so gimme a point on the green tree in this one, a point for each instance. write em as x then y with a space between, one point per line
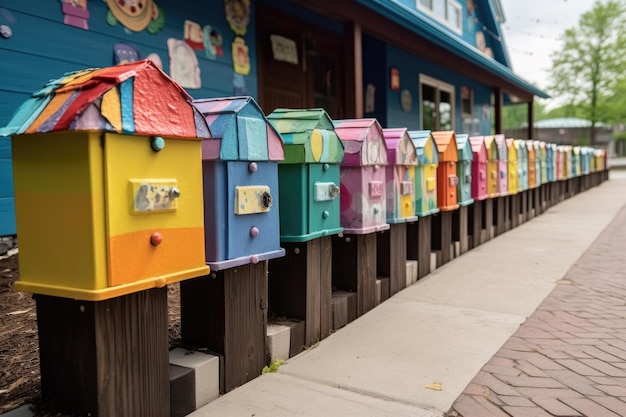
587 69
516 115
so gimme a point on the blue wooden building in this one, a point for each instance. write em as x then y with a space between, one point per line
406 63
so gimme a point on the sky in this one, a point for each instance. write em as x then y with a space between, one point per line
532 31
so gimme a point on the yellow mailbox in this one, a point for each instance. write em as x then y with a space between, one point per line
108 184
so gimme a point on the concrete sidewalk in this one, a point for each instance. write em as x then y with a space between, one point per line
441 331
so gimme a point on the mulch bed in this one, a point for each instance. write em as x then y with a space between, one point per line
19 343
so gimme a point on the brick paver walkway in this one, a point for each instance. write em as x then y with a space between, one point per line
569 357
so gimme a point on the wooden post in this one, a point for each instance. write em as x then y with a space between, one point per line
515 210
476 223
460 227
441 238
354 268
499 219
226 312
419 244
523 209
300 286
105 358
487 222
391 256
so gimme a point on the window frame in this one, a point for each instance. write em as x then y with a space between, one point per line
444 20
439 86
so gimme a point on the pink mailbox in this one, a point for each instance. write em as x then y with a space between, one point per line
503 161
479 168
400 173
362 188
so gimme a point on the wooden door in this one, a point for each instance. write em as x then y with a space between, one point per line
310 76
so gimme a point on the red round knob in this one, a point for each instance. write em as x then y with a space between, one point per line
156 239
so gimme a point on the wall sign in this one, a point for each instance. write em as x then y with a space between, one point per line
406 100
284 49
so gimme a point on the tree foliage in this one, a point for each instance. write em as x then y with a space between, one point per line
589 68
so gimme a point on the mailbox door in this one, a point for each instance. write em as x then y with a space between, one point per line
482 180
405 176
430 180
492 177
324 199
374 203
502 177
253 222
141 203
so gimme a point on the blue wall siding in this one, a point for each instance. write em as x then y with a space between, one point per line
376 73
43 47
410 67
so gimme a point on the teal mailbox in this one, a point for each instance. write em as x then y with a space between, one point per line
464 170
308 178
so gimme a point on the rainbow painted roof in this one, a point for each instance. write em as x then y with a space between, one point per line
400 147
135 99
242 129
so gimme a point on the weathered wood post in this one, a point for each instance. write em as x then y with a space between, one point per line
501 203
300 284
522 167
513 183
363 210
226 311
107 217
460 217
400 190
419 233
479 189
447 182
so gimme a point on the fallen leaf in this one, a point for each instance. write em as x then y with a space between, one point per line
14 313
437 386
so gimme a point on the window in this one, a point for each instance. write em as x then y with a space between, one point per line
447 12
437 101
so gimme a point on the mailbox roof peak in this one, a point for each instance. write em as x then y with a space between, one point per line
425 147
136 98
309 136
243 131
400 147
363 141
464 147
446 143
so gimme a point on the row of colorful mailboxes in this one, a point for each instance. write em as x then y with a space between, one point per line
123 182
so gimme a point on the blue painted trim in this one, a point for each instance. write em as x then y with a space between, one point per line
418 24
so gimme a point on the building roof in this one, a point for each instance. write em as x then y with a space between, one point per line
564 123
416 22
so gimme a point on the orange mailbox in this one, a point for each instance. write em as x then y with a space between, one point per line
447 179
108 184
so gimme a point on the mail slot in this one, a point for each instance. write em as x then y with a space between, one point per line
464 170
309 176
363 176
512 150
551 161
503 157
240 177
425 172
532 168
448 157
522 164
400 174
479 168
543 160
104 205
492 166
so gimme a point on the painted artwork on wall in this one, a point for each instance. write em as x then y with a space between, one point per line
238 15
136 15
76 13
241 59
184 67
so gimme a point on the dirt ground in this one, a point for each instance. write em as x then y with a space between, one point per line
19 346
